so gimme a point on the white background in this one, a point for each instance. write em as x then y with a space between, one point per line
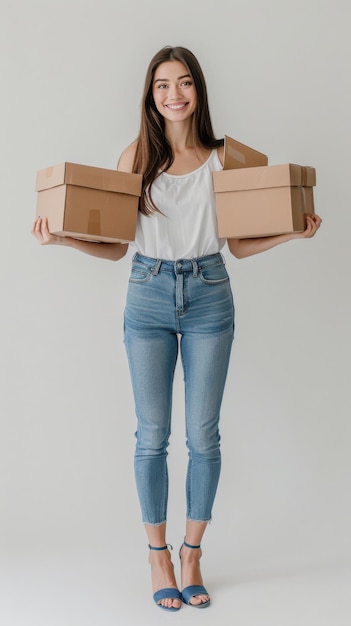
73 550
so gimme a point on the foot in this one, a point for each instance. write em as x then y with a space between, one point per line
162 574
191 574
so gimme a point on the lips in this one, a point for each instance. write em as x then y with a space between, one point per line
177 107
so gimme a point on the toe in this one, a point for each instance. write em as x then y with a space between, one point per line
199 599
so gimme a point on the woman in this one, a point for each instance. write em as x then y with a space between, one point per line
179 298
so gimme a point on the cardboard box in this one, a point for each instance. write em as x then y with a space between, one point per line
238 155
89 203
263 200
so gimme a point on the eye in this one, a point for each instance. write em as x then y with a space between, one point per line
162 86
186 83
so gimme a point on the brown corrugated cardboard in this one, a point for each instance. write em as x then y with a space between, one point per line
238 155
262 200
89 203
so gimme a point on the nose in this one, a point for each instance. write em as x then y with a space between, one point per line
174 93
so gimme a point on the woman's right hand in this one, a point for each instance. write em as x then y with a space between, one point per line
40 230
111 251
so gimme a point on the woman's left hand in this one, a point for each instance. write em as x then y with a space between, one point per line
313 222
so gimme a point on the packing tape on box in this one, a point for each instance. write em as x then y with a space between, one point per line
306 200
303 200
235 154
308 176
94 222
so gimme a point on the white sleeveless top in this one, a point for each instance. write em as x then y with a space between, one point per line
188 227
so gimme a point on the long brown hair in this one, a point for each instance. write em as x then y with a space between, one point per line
153 151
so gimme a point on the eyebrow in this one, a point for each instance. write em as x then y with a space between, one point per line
167 79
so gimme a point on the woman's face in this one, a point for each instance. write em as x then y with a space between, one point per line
174 92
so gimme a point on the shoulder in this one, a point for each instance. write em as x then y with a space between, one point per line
220 152
126 160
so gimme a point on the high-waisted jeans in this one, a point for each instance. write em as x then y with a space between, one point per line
186 303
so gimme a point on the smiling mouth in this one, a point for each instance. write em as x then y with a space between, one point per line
177 107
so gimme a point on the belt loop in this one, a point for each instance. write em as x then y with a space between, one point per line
156 268
195 267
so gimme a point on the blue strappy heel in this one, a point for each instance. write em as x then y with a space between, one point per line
167 592
193 590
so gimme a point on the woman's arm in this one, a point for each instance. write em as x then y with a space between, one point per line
126 160
242 248
111 251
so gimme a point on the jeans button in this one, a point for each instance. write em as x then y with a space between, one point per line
179 266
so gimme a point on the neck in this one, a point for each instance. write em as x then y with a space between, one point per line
179 135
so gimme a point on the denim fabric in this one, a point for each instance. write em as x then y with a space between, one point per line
184 304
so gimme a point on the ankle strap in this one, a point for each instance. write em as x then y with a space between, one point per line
188 545
168 545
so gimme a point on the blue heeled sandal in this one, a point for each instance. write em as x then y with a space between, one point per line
193 590
167 592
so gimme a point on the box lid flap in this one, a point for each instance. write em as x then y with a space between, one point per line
237 155
264 177
88 176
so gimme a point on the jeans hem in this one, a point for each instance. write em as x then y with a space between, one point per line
200 521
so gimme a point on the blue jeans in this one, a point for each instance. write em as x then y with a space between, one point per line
172 304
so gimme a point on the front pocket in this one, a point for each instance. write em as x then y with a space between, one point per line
214 274
139 273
